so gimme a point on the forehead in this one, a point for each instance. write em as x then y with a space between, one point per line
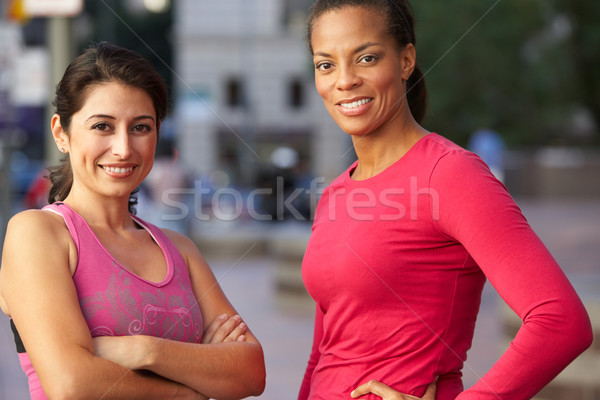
117 97
348 26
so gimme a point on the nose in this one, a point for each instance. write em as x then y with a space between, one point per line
121 144
348 78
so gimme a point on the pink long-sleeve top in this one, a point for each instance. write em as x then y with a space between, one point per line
396 264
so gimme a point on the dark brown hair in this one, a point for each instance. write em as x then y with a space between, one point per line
400 24
101 63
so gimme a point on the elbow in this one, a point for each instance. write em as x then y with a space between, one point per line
586 336
258 386
580 333
256 383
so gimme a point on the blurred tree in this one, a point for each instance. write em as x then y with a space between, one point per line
509 65
584 45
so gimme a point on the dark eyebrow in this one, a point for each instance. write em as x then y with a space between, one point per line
365 46
100 116
144 117
111 117
360 48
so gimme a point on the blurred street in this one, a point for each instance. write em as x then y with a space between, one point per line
571 230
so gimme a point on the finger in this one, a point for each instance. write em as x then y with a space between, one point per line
210 331
242 338
236 333
380 389
372 386
226 329
430 392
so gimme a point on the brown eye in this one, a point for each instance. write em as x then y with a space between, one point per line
323 66
368 59
142 128
101 126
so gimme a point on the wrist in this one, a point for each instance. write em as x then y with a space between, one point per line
145 351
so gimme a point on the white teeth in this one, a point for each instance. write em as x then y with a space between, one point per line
118 170
356 103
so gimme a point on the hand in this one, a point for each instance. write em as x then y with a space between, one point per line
225 329
387 393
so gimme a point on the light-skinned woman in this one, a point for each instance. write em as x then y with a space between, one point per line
103 304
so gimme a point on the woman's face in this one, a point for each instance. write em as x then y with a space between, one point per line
359 70
111 140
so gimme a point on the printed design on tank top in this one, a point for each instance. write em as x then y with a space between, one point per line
149 313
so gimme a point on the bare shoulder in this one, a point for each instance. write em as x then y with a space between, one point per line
36 241
35 233
36 222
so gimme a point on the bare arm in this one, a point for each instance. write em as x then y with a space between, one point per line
229 370
38 293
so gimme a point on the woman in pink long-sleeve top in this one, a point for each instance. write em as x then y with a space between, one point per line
405 238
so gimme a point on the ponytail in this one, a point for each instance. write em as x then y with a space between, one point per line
416 94
61 180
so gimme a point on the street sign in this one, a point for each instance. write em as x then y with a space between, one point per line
52 8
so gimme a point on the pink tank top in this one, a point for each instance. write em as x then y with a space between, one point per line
116 302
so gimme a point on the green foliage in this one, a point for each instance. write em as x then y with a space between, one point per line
521 67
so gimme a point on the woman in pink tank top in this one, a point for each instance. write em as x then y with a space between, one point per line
103 304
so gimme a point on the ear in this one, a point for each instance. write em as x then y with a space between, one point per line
60 135
408 57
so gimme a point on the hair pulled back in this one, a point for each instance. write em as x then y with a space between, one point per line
400 24
101 63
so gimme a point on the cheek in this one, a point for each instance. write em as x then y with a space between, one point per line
322 86
391 82
146 145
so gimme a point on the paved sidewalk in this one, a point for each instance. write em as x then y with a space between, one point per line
570 230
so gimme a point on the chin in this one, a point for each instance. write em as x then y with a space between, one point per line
355 131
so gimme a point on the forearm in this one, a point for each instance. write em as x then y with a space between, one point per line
98 378
225 370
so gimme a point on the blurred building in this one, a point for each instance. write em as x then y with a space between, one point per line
244 86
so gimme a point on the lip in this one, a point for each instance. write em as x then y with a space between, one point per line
356 109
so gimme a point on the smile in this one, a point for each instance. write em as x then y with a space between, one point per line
116 170
356 103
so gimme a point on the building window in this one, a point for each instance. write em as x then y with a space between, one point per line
234 94
294 14
296 93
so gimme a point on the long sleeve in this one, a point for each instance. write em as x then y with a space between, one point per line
477 211
314 355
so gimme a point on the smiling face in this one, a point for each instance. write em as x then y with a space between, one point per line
111 140
360 72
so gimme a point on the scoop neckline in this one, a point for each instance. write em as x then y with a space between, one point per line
143 224
348 174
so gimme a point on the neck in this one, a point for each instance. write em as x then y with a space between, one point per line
379 149
107 212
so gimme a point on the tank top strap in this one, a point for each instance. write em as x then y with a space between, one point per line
74 221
